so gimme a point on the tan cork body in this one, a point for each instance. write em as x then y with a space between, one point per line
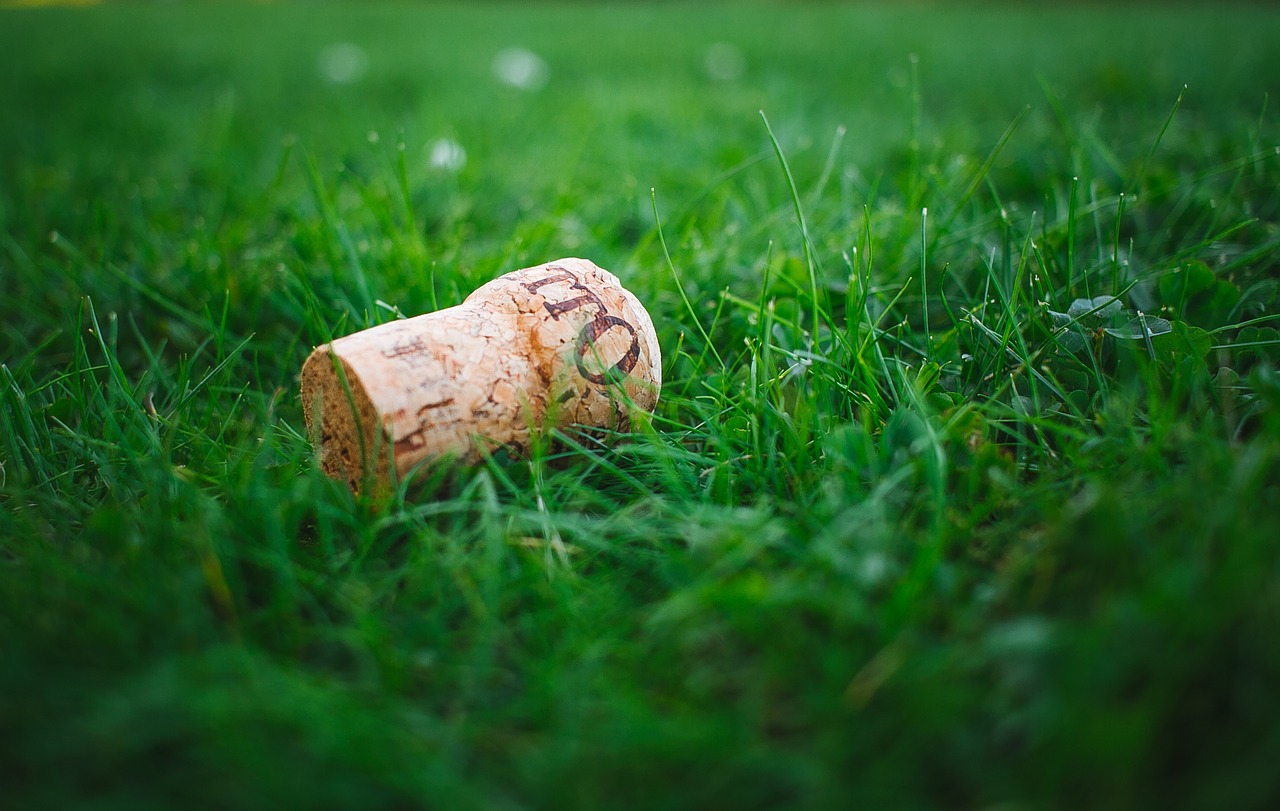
558 344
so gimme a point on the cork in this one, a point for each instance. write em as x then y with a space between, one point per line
556 345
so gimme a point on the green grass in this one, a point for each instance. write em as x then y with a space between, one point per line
925 517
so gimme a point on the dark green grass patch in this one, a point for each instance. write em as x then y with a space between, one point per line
964 485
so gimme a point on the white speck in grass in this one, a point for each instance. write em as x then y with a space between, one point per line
446 155
1021 637
343 63
724 62
373 136
520 68
873 568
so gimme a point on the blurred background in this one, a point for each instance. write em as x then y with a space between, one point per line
500 109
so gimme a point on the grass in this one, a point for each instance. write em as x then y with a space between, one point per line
966 508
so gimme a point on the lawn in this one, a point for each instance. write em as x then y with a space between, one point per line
964 486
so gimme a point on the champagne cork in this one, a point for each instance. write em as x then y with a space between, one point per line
558 344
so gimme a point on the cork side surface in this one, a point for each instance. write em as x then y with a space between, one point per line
448 383
593 345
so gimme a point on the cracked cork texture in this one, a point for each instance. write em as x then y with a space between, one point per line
558 344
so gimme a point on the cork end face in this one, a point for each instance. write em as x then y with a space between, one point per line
342 422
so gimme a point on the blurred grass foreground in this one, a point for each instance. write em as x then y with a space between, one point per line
964 489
